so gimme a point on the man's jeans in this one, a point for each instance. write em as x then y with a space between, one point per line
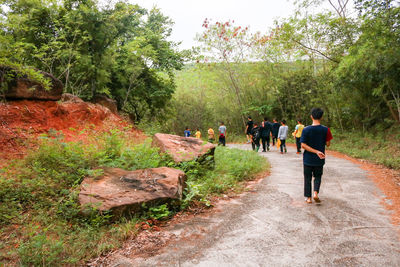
309 172
263 140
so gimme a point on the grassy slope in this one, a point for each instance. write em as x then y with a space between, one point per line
40 222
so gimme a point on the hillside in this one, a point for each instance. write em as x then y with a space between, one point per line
23 122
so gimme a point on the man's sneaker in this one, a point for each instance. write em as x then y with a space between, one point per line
263 151
268 148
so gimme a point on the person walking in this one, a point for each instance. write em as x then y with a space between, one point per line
297 134
222 134
198 134
249 127
255 137
186 132
282 135
211 135
313 140
275 130
266 129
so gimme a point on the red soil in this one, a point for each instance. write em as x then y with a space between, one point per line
21 122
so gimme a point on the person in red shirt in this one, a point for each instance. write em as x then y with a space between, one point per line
313 140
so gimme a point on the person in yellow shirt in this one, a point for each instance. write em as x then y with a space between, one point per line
198 134
211 136
297 134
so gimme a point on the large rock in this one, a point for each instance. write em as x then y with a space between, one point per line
70 98
109 103
183 148
124 191
24 88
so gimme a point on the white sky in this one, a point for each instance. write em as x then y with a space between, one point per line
189 15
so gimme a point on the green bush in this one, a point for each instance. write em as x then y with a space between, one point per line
378 147
40 250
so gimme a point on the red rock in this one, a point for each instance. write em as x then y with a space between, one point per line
24 88
123 191
183 148
109 103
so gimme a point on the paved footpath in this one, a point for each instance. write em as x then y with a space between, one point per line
273 226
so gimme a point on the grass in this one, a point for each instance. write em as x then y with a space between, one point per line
381 147
40 219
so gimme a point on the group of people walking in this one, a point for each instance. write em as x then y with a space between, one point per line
277 131
211 134
313 139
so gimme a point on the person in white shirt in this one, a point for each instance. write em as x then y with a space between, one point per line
282 135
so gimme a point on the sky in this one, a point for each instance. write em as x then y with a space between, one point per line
189 15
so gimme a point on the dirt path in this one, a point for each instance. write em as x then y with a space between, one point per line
272 225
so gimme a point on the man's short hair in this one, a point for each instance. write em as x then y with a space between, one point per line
284 121
299 120
265 118
317 113
249 117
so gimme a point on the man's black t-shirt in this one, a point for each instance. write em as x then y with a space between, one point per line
266 130
250 126
275 128
315 137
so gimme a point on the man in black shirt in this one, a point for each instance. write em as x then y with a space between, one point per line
255 137
266 128
313 140
249 127
275 130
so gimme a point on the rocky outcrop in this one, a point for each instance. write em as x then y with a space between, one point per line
124 191
70 98
21 87
109 103
183 148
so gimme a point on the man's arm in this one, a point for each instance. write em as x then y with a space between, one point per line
312 150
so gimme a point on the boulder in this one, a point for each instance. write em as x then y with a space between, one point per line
24 88
109 103
70 98
124 191
183 148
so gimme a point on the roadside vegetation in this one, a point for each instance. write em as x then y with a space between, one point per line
41 223
377 147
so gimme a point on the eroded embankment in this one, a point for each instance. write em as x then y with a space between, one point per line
21 122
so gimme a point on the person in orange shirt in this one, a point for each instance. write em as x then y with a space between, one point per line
297 134
211 135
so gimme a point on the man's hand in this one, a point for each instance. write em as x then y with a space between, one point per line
312 150
320 154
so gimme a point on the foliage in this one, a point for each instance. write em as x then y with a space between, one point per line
381 147
120 50
347 64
